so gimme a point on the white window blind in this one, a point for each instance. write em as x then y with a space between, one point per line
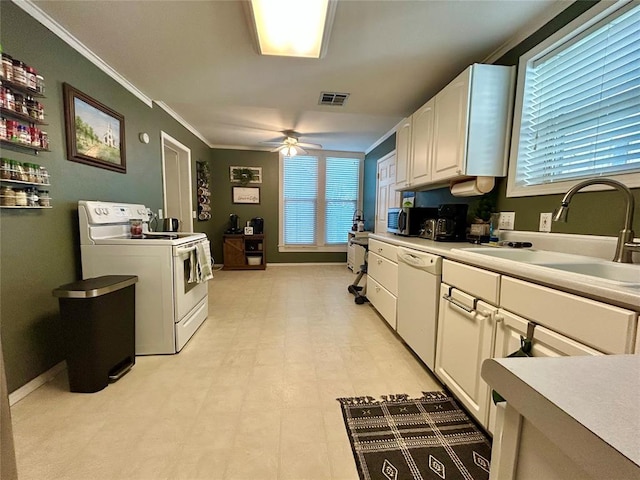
581 105
320 193
341 197
300 194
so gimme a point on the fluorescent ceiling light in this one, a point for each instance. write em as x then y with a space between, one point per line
292 28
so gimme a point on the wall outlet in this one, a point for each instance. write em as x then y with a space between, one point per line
545 222
160 214
507 220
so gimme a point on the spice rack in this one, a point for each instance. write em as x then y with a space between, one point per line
20 113
31 176
204 194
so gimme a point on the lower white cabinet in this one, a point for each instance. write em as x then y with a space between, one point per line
465 339
382 279
510 328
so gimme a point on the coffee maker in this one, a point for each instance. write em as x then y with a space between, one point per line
233 225
258 225
452 222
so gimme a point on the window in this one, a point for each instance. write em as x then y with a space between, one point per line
578 105
319 194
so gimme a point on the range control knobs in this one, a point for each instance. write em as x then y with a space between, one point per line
98 211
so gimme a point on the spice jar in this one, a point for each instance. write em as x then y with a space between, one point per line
7 197
19 72
31 77
3 128
21 198
40 84
44 140
44 176
7 67
5 169
135 226
12 130
44 199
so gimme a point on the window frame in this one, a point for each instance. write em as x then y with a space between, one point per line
565 35
320 246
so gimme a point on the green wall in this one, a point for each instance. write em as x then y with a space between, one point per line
370 179
222 206
40 248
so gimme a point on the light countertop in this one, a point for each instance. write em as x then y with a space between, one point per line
583 285
587 406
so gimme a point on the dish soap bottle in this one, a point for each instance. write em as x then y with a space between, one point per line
494 229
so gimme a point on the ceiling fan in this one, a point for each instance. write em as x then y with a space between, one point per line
291 146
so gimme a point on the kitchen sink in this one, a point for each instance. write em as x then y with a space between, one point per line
623 274
617 272
527 255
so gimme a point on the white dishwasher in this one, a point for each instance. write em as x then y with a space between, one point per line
419 275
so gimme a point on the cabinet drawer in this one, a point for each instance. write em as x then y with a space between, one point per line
385 250
604 327
477 282
384 271
382 300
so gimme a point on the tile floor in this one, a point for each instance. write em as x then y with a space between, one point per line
251 396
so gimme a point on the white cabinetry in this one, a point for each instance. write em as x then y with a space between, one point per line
461 132
472 118
403 154
466 333
422 144
382 281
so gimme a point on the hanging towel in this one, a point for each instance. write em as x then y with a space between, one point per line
193 266
203 257
524 351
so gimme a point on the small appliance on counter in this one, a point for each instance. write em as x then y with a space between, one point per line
233 228
258 225
428 229
170 224
452 222
408 221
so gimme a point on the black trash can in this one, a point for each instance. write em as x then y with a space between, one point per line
99 329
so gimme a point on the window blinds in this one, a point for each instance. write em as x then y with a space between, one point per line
341 197
300 196
581 106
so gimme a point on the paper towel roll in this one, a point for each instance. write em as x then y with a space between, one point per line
476 186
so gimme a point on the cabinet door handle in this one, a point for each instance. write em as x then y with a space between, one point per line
379 262
462 306
377 289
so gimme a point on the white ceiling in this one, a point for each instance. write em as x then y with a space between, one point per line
197 57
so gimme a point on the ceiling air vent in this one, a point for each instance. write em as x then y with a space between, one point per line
333 99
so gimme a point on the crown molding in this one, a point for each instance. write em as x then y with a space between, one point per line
44 18
182 121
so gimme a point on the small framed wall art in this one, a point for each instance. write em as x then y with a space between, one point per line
95 133
245 195
245 175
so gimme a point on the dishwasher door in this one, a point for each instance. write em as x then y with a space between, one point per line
418 287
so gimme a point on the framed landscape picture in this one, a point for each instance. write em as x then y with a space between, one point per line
95 133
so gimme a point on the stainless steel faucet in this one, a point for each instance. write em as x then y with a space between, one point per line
625 245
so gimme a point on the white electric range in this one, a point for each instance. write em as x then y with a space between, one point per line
169 309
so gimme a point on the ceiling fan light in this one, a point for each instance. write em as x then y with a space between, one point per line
292 28
289 151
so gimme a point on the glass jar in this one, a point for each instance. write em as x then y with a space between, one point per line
10 100
40 84
20 104
34 135
12 130
7 197
19 72
44 176
7 67
135 226
44 199
23 135
21 198
3 129
5 169
44 141
31 77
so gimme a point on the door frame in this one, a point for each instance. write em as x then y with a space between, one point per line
184 155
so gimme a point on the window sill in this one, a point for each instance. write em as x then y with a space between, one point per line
312 248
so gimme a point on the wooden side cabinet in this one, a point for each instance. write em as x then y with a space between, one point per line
244 252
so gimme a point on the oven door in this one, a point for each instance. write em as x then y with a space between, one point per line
187 295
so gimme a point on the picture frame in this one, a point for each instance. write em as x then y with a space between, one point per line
245 195
245 175
95 132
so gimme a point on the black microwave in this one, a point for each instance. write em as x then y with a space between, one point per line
409 220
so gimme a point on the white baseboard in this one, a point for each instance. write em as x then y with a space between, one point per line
23 391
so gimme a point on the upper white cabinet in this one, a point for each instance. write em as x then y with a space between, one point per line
472 119
461 132
422 123
403 153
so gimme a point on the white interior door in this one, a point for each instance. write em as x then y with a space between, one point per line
176 180
386 195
